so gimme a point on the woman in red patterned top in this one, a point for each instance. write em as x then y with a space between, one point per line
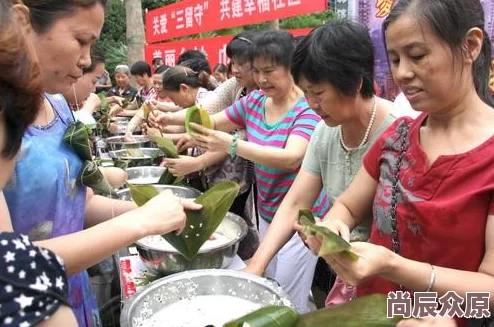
429 182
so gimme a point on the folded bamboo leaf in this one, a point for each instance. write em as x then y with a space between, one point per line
331 242
270 316
125 103
142 193
203 223
368 311
167 178
198 115
77 138
166 146
92 177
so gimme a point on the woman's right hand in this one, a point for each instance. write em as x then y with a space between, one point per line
165 213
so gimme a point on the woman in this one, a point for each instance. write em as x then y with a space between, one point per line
21 94
220 73
429 181
334 66
279 124
62 33
218 166
123 89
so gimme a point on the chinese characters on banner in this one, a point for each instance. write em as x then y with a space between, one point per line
372 13
427 304
190 17
214 47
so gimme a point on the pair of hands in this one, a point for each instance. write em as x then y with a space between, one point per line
163 214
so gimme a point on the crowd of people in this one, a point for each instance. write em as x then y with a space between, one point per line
296 122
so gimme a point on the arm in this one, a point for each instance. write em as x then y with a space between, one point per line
85 248
5 222
100 209
185 165
302 194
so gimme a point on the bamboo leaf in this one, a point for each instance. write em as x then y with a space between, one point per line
331 242
270 316
202 224
92 177
146 111
165 145
368 311
77 138
198 115
142 193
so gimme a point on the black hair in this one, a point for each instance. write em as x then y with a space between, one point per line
190 54
161 69
197 64
274 45
222 68
140 68
21 85
44 13
97 57
339 52
240 46
450 20
177 75
153 62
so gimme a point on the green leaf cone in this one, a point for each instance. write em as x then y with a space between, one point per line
92 177
77 138
198 115
166 146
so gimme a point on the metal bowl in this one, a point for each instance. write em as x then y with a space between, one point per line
115 143
189 285
144 175
180 191
137 157
171 261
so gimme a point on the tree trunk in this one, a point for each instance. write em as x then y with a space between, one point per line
135 30
274 24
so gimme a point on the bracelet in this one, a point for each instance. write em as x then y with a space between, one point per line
233 146
432 281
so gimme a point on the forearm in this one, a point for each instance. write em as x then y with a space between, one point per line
135 122
173 129
127 112
210 158
84 249
416 276
100 209
276 158
340 212
168 107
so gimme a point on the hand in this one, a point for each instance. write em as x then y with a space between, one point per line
428 322
113 128
185 142
150 131
129 137
210 139
92 103
314 243
115 100
159 118
183 165
156 221
115 109
373 261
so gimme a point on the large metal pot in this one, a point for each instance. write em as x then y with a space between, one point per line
144 175
115 143
141 157
170 261
180 191
190 286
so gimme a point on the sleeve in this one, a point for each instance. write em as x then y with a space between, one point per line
221 97
34 280
305 123
238 112
310 163
112 92
372 158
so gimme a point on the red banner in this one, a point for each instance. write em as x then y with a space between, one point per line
190 17
214 47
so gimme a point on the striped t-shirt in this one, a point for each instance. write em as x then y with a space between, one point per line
300 120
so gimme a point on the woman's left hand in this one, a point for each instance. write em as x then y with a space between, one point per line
183 165
210 139
373 261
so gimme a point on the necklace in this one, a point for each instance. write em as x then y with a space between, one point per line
367 132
